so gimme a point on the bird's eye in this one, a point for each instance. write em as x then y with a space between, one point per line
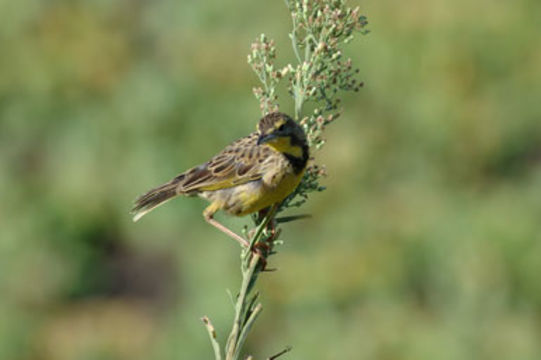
282 127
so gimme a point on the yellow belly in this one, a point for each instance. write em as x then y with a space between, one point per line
253 196
266 196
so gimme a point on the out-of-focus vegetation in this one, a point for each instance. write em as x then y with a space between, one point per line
427 244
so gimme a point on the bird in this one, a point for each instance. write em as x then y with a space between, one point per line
251 174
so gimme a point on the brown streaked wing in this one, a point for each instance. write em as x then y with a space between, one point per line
189 180
235 165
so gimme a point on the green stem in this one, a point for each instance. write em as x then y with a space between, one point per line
262 225
247 327
246 311
212 336
298 95
249 276
293 35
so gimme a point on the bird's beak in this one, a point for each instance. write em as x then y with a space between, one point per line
266 138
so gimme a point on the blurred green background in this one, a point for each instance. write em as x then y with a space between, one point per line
426 245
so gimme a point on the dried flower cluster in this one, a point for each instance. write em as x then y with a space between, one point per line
262 60
320 28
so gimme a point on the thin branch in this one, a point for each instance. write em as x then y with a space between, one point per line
266 220
275 356
247 327
212 336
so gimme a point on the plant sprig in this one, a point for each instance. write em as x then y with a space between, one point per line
318 76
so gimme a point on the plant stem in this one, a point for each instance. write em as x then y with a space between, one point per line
232 348
212 335
320 28
246 307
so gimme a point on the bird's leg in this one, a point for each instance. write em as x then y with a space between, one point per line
243 242
209 218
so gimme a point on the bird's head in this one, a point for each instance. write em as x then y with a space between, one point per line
281 133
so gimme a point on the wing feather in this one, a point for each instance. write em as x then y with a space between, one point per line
237 164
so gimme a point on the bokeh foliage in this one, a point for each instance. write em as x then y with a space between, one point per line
425 246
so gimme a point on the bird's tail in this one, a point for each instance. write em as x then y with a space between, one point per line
154 198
